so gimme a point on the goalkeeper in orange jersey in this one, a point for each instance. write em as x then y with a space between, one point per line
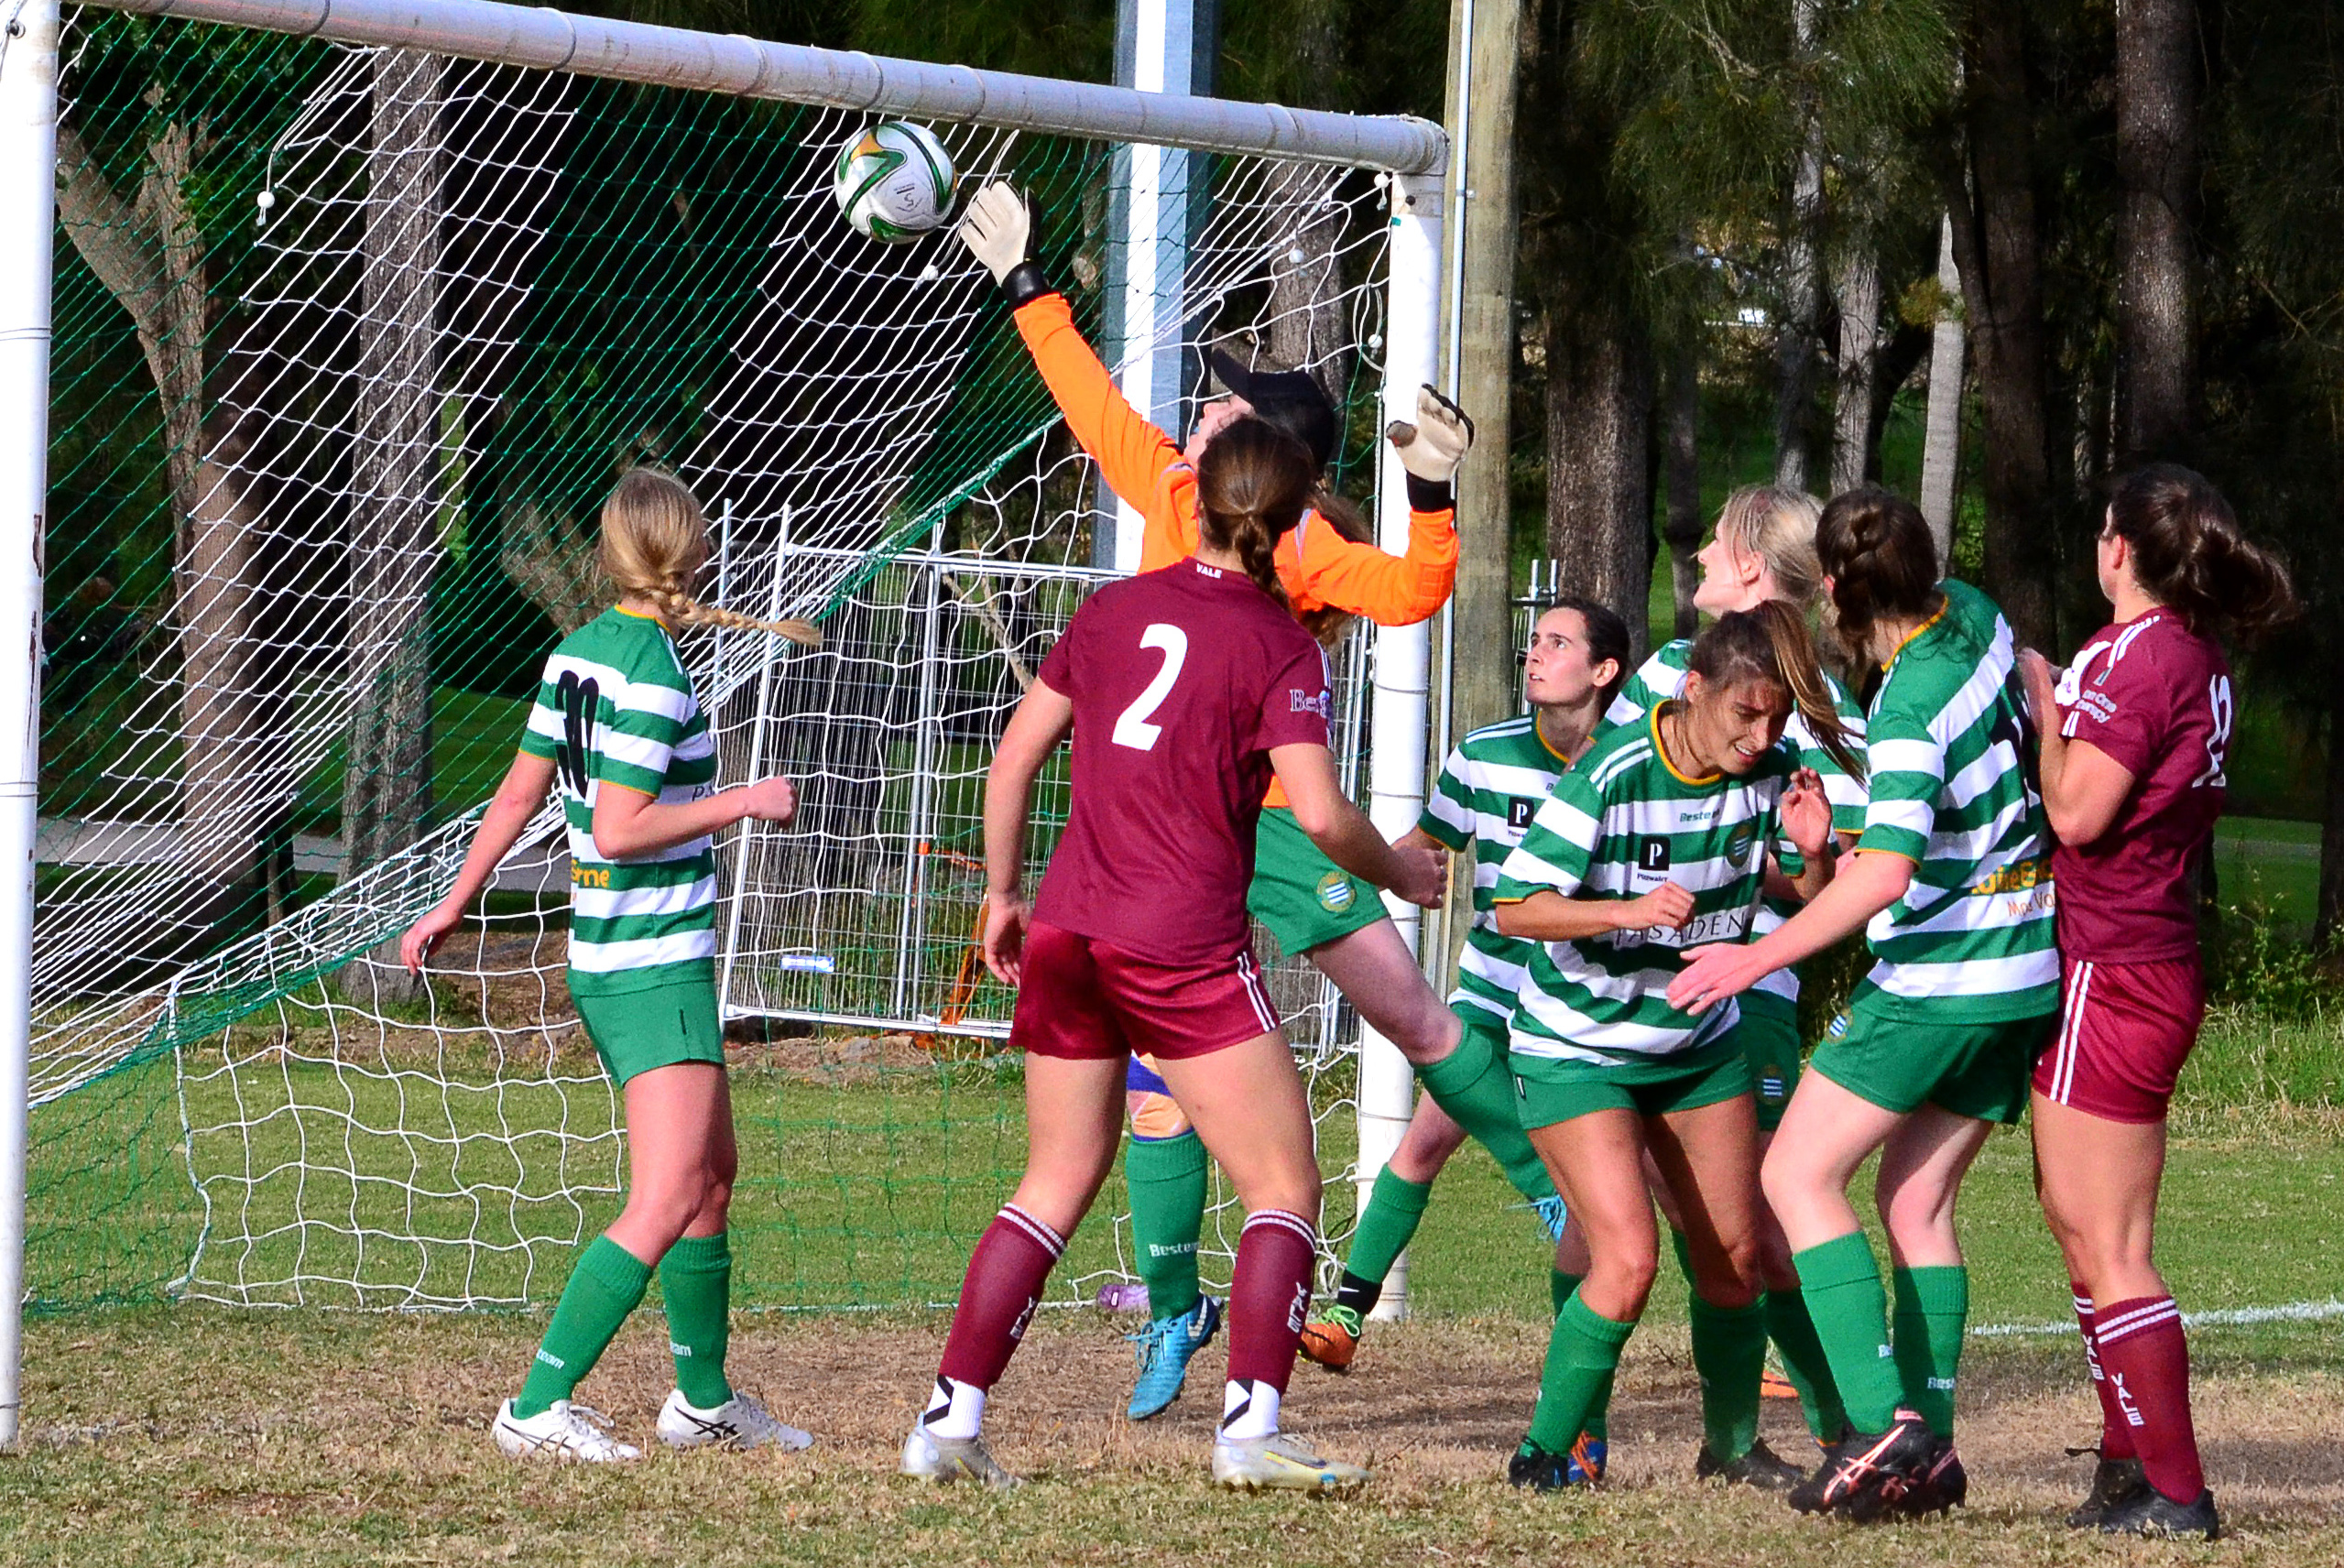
1309 905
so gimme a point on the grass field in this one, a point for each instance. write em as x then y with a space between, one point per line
194 1435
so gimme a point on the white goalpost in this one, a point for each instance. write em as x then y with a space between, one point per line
872 457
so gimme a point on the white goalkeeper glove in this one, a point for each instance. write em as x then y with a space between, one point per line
996 229
1432 448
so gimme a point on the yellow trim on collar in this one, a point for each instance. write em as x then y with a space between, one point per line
1662 751
1897 653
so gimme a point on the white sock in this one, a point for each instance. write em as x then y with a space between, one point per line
955 1409
1249 1409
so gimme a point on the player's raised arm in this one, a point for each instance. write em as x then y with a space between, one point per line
1132 454
1399 590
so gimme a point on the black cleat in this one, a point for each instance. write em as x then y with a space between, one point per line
1865 1475
1942 1486
2115 1482
1540 1471
2151 1512
1761 1468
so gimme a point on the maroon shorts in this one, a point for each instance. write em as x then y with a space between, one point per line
1086 1000
2125 1031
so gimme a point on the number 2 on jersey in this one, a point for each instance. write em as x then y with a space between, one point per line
2218 742
1132 729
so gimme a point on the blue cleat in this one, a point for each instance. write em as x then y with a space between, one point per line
1165 1348
1552 1215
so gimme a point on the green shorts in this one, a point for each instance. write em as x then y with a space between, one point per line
656 1027
1547 1091
1767 1035
1303 899
1900 1063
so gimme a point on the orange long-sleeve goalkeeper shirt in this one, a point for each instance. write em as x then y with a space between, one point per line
1140 463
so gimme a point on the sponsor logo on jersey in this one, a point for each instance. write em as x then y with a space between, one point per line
589 875
1520 809
1652 854
1336 892
1698 814
1321 702
1738 844
2016 877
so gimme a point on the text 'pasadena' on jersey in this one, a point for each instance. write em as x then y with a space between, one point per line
1623 824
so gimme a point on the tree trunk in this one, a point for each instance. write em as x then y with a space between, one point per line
1858 288
1684 470
2156 158
1941 437
2328 924
1796 331
395 460
1598 494
149 253
1999 254
1309 328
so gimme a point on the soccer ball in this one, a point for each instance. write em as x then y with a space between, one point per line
894 181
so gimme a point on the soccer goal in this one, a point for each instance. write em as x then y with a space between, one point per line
348 315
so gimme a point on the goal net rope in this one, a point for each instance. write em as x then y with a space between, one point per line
350 343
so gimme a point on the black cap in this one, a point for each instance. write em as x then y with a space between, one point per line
1291 399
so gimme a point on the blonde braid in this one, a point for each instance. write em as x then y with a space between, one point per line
654 542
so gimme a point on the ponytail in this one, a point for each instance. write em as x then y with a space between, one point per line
1252 486
2189 554
654 542
1770 643
1339 512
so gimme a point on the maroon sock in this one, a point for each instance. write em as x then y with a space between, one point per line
1004 1283
1270 1296
2147 1363
2115 1431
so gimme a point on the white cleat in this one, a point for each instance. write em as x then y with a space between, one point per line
562 1430
1281 1461
739 1422
933 1458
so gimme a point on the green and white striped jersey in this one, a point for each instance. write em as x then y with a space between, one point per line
1620 824
1491 786
1971 941
615 707
1662 678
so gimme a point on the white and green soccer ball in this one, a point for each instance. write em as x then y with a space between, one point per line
894 181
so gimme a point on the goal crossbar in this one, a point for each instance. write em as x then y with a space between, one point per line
543 39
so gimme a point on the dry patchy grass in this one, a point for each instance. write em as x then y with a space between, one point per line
208 1437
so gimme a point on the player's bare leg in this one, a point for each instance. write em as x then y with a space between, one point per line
1249 1107
2099 1181
1074 1121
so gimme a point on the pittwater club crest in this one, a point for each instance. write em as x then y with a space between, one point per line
1653 853
1738 843
1336 892
1520 809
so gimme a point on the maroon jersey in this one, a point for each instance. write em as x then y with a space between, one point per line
1182 682
2155 696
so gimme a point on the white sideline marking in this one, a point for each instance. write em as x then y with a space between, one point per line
2294 1312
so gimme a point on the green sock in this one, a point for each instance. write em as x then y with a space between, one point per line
1804 1362
696 1279
1730 1355
1581 1357
1596 1424
1472 1084
1842 1284
1166 1178
606 1284
1931 1311
1395 1205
